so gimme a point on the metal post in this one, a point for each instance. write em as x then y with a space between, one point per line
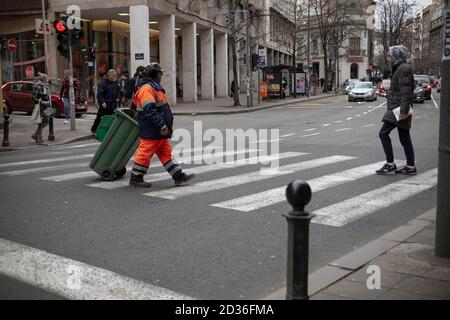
5 142
51 132
308 75
298 194
45 37
247 50
442 241
95 75
71 91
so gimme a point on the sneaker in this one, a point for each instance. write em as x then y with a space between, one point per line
37 139
407 170
184 180
387 169
139 184
66 121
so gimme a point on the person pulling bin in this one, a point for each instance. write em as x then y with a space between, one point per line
155 121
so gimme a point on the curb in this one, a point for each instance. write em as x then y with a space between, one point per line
83 138
251 109
339 269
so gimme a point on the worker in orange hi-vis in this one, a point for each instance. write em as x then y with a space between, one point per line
155 129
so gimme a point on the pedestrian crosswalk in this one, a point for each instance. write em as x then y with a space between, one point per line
226 175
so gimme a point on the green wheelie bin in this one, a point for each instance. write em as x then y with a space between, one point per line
119 144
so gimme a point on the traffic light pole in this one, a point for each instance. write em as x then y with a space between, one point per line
45 37
442 241
95 75
248 58
71 90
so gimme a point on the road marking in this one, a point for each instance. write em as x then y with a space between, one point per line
188 159
350 210
288 135
434 101
277 195
24 163
45 169
358 115
227 182
110 185
339 121
350 118
310 135
74 279
312 129
368 125
79 146
343 129
326 125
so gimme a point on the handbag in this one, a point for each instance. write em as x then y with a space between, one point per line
49 112
36 115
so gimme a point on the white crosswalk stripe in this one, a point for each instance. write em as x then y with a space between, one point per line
228 182
199 170
45 169
355 208
48 160
278 195
210 157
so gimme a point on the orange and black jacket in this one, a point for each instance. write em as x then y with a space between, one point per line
153 110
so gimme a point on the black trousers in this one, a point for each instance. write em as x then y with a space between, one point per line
405 140
100 113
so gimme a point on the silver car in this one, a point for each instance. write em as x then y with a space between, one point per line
362 91
349 85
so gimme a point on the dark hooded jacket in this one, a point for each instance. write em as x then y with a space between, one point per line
401 91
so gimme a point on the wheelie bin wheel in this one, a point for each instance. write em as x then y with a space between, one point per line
121 172
107 174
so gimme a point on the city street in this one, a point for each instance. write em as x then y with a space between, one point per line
223 236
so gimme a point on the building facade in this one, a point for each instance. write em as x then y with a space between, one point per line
191 39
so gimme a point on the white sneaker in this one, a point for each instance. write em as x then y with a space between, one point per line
66 121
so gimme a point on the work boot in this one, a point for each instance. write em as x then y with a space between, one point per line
139 182
184 179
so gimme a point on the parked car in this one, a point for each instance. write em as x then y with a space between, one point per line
419 93
383 88
434 81
349 85
362 91
439 85
18 97
425 81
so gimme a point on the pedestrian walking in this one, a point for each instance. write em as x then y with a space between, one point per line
155 129
400 98
65 93
43 106
107 96
132 84
122 91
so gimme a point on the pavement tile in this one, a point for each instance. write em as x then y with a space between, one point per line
418 222
361 256
353 290
425 287
395 294
323 277
425 236
388 279
402 233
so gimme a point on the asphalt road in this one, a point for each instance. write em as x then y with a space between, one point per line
224 236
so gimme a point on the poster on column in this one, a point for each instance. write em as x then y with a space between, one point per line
300 81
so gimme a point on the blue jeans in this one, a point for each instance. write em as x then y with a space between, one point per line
405 140
66 108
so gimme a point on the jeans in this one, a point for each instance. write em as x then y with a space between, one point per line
405 140
66 108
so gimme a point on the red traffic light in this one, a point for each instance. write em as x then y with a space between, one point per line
60 26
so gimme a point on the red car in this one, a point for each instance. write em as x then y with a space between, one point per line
17 96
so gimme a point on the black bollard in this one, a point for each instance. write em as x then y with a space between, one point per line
298 194
51 135
5 142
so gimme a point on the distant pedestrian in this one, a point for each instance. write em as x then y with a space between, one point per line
401 95
41 97
107 96
122 91
322 83
155 130
132 84
65 94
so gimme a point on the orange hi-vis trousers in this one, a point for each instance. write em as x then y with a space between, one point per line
163 150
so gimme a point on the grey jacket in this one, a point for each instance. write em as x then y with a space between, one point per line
401 94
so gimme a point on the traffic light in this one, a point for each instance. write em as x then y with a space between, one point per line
255 60
62 36
91 54
76 34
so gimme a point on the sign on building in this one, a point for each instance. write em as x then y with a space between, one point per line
40 26
262 61
446 45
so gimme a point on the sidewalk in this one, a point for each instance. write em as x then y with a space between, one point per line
225 105
405 256
21 129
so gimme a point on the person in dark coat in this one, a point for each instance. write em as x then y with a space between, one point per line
132 83
41 96
107 96
400 95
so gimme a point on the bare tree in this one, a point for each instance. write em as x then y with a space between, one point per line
393 16
334 21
